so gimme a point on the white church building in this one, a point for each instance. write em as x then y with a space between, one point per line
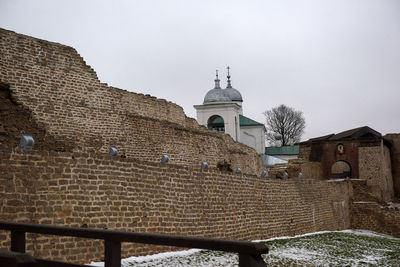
222 111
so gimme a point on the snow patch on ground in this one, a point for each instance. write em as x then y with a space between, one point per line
295 253
299 252
349 231
295 236
158 256
163 255
367 233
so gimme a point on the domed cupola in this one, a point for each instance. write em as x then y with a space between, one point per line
234 95
216 94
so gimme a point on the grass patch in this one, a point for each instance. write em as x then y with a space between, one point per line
345 248
334 249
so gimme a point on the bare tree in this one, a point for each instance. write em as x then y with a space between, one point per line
284 124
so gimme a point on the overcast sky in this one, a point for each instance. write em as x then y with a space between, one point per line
337 61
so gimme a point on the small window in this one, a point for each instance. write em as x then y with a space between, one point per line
216 123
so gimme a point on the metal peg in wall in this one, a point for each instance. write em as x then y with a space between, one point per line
263 173
113 151
26 142
204 165
164 158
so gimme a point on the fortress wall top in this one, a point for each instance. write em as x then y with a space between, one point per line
67 101
45 75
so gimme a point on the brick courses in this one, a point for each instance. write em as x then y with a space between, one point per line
375 168
395 160
47 90
67 101
130 194
375 217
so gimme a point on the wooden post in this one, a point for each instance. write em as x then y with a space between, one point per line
112 253
18 241
16 259
247 260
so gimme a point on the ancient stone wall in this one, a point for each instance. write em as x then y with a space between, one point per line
304 151
68 104
331 155
395 157
375 168
368 158
47 90
77 189
309 170
370 213
16 120
327 154
372 216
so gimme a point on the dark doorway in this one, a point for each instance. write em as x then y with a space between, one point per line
340 169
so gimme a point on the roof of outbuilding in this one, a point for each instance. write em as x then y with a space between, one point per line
356 133
349 134
283 150
244 121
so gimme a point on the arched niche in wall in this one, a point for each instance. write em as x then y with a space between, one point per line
216 123
340 169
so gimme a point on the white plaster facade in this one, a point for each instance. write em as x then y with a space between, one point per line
227 104
229 111
253 136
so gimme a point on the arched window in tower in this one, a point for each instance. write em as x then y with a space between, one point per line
216 123
341 169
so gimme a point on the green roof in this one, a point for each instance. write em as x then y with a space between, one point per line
283 150
244 121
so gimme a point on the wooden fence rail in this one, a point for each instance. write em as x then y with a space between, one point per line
249 252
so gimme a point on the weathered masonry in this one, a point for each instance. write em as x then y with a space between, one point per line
63 100
77 189
358 153
68 179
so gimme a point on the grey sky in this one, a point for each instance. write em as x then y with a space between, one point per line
337 61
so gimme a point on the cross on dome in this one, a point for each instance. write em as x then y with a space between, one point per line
234 95
217 94
229 78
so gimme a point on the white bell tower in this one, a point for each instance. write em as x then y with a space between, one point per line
221 109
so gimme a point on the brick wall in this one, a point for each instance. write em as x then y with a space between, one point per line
304 151
74 189
68 104
47 90
375 168
330 155
374 217
395 156
369 159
